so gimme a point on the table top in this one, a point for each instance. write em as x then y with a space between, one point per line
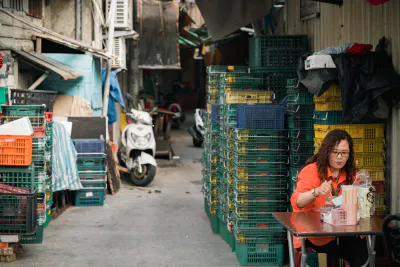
303 224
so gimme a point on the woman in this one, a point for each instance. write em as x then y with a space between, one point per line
323 175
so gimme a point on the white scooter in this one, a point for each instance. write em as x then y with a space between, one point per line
197 131
138 148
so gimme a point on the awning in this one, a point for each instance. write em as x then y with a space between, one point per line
74 45
226 16
48 64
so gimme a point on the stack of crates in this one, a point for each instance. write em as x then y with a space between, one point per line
257 183
368 139
41 156
276 58
92 172
300 110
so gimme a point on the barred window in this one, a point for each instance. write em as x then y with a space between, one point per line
30 7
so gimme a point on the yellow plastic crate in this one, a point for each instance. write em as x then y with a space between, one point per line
209 108
369 160
376 174
356 131
212 89
361 145
329 104
249 97
333 91
212 99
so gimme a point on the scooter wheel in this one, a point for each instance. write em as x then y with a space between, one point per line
144 178
197 142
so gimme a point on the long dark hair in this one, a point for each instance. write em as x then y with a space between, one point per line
332 139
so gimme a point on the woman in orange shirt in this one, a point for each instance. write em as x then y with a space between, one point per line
323 175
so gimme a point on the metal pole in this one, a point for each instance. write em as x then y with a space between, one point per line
110 51
291 249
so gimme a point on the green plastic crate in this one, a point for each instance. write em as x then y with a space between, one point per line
328 117
16 178
259 135
300 97
213 219
312 260
260 185
3 96
227 236
262 225
36 238
300 123
91 164
300 111
224 69
89 197
260 254
259 148
23 110
301 134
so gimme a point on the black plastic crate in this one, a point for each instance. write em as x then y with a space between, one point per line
18 213
34 97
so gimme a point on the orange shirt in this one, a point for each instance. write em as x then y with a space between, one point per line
306 181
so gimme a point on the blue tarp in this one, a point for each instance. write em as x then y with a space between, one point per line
115 96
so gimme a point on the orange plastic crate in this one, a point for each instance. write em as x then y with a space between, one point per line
15 150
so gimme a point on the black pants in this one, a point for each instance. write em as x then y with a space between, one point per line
352 249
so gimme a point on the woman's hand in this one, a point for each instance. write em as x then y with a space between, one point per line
324 189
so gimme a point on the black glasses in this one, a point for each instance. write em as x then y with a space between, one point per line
344 154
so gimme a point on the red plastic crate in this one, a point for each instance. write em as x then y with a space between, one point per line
379 187
15 150
49 116
39 131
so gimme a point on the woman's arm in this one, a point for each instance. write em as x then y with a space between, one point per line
307 197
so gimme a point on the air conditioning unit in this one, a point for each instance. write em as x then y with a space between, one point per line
119 50
122 14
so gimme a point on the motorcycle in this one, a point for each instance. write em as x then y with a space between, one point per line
179 117
197 131
138 148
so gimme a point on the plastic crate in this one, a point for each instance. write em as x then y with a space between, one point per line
356 131
333 91
369 160
300 111
265 224
213 219
298 160
329 104
276 82
258 135
328 117
18 213
376 174
223 69
15 150
256 198
21 110
34 97
259 185
3 96
89 197
379 187
211 99
261 116
91 164
210 176
246 79
300 123
271 156
300 97
14 180
260 254
362 145
272 53
267 170
92 177
302 147
36 238
259 147
214 113
227 236
312 260
380 200
301 134
89 148
248 97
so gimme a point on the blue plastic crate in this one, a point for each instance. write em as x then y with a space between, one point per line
89 148
267 116
214 113
89 197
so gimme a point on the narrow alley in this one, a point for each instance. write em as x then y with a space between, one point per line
138 228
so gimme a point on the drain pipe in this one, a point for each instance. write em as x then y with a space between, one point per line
78 20
110 40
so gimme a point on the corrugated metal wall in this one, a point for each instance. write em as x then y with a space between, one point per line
358 21
355 21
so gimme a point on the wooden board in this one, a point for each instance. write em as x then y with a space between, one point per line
88 127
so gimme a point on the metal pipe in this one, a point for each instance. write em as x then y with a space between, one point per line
291 249
109 62
78 19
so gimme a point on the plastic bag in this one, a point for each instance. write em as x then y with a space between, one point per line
365 192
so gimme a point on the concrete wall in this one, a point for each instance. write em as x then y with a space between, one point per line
15 34
60 17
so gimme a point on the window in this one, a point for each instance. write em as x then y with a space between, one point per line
30 7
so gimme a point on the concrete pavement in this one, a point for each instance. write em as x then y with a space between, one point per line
138 228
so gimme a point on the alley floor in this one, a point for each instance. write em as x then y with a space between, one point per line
138 228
